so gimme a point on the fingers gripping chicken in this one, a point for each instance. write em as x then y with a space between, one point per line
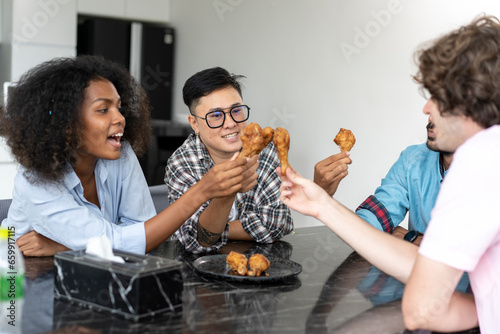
258 263
238 262
281 140
345 140
254 140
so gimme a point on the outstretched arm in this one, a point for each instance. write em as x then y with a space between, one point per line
430 300
393 256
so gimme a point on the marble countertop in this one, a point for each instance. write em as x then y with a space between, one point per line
336 292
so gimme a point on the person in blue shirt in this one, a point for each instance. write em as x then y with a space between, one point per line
75 126
410 187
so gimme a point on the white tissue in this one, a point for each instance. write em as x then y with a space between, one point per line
101 247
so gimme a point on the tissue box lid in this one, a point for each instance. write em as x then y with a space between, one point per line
135 264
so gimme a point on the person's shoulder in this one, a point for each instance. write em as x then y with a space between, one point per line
488 136
189 156
38 190
419 151
484 144
418 156
187 151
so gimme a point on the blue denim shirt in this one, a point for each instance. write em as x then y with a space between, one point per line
61 213
411 186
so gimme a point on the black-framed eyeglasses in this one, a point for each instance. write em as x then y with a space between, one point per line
215 119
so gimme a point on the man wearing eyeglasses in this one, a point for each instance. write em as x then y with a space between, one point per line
253 210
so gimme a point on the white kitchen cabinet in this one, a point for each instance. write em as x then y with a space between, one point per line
5 156
8 173
139 10
102 8
50 22
148 10
26 56
33 31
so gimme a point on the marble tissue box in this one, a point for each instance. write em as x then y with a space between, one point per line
139 288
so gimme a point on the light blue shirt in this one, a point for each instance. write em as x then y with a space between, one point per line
61 213
411 186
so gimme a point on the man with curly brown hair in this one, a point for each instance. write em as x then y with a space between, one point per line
461 71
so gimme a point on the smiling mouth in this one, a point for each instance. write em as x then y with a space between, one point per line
116 137
232 135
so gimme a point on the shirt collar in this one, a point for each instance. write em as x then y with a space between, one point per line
71 181
442 171
202 152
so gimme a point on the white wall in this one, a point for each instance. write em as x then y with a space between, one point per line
33 31
298 76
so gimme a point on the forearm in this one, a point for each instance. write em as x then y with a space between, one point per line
35 244
237 232
458 315
213 220
164 224
430 300
391 255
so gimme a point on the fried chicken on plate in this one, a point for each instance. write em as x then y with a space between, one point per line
258 263
238 262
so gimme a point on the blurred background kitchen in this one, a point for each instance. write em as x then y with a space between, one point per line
311 67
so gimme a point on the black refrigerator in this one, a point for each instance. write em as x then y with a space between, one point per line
146 49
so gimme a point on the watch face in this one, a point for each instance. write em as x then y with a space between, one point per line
411 236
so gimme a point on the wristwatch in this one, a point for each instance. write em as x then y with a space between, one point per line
412 235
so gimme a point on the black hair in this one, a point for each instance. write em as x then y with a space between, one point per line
42 119
205 82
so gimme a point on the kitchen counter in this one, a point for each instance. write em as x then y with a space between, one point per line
336 292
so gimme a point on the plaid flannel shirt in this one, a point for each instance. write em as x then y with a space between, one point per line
260 210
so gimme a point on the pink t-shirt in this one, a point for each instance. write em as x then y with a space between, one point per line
464 231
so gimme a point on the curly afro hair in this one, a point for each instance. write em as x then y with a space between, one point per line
42 119
461 71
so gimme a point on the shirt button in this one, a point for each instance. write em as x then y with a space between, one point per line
240 205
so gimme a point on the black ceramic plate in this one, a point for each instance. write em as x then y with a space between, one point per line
215 266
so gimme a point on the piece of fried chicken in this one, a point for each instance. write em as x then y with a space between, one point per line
281 140
254 140
238 262
258 263
345 140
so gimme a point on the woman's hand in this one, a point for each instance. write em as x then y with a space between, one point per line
35 244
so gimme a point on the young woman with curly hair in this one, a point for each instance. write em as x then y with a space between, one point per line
461 71
75 126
